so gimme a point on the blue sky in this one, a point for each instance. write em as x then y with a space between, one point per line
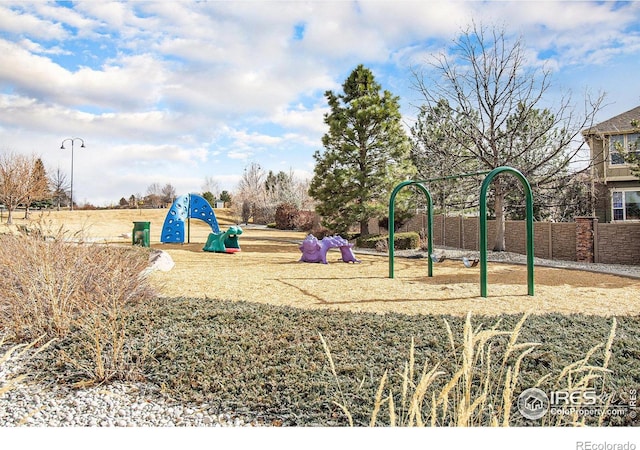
173 92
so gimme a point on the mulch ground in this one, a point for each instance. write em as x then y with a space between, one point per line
269 271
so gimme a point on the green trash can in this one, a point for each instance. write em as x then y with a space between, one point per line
140 234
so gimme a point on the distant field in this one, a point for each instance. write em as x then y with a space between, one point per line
111 224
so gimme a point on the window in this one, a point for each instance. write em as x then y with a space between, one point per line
615 143
633 142
626 142
626 205
618 206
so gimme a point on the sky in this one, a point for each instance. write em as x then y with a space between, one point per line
180 91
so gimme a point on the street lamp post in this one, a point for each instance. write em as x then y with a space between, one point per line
72 140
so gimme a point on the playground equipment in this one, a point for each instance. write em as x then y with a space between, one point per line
185 208
483 222
470 262
437 259
466 261
315 251
226 242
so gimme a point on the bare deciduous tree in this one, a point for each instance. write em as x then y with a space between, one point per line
211 185
251 193
59 188
154 195
284 187
497 100
168 193
16 185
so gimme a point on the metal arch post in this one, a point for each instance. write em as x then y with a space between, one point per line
189 218
483 227
392 201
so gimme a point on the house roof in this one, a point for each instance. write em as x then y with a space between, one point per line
617 124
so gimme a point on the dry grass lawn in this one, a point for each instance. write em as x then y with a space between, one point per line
267 271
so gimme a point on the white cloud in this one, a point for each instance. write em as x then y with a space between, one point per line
131 83
239 155
179 90
22 23
301 118
35 47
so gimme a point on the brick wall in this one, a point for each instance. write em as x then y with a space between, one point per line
471 235
563 238
515 237
551 240
542 243
614 243
585 239
618 243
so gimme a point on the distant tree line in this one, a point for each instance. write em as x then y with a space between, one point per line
259 194
157 196
24 182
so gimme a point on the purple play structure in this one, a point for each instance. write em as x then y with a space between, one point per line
315 251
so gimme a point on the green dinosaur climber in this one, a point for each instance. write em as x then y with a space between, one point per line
226 242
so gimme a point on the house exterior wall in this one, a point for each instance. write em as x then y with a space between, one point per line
596 146
607 177
603 170
606 196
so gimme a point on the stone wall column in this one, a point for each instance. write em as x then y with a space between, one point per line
585 239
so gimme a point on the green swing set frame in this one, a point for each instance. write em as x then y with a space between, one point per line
483 221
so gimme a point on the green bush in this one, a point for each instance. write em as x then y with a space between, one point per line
402 241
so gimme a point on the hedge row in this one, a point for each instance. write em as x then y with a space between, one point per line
289 217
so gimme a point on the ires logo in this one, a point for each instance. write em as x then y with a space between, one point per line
586 397
534 403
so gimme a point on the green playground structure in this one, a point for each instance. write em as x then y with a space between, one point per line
226 242
483 222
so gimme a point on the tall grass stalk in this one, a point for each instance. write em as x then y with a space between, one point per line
483 388
342 405
580 376
16 352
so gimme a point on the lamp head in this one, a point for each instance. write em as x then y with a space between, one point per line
62 146
82 146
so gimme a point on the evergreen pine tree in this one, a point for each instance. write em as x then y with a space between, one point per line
366 153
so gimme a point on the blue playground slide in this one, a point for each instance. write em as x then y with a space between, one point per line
187 206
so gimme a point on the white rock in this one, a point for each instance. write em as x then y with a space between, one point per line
160 260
